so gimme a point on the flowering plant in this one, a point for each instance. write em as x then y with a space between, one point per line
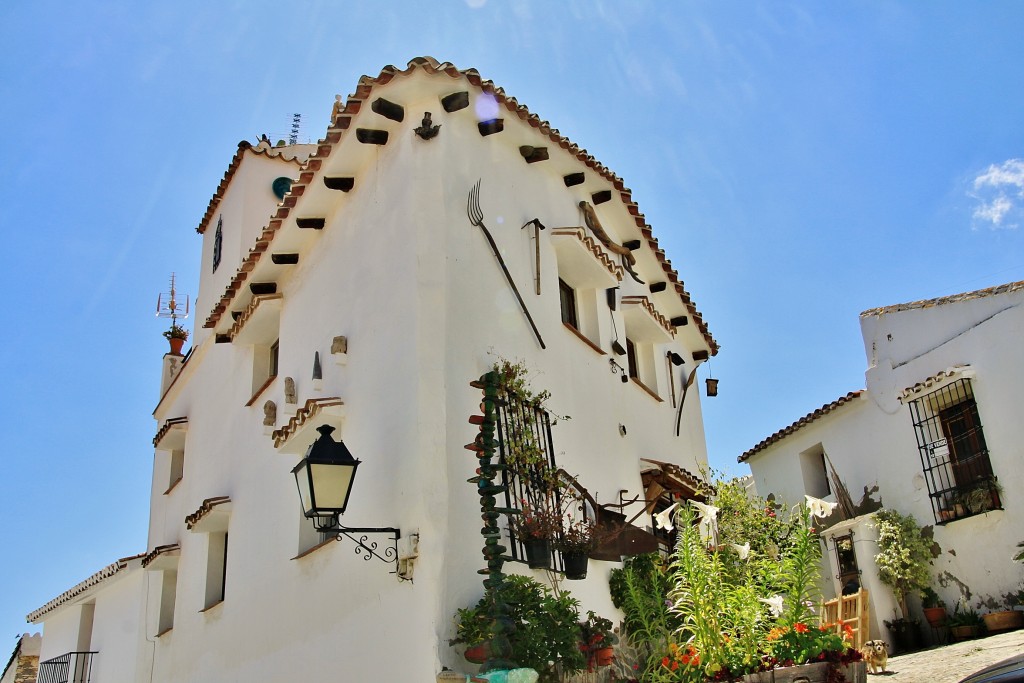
578 536
801 643
537 521
176 332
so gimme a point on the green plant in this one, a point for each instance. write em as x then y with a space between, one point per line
981 496
929 598
597 631
904 555
578 536
964 616
537 521
640 589
176 332
1019 555
547 635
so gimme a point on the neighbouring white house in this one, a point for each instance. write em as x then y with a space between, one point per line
936 433
24 662
362 283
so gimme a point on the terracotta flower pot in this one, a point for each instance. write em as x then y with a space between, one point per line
998 622
936 616
604 656
478 654
176 345
963 632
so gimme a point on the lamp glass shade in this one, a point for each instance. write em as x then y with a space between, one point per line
325 476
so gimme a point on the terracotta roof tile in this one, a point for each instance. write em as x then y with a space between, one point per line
340 120
942 376
942 300
205 509
802 422
72 593
302 415
169 424
157 552
243 147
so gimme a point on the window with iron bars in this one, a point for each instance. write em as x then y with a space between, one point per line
529 472
954 456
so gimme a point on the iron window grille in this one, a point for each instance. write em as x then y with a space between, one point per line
954 456
527 456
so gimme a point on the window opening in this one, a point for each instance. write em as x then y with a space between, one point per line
634 369
567 300
218 242
846 564
953 452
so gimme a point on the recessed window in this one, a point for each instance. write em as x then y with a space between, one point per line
218 243
954 455
632 368
216 567
567 299
168 591
264 367
177 468
814 472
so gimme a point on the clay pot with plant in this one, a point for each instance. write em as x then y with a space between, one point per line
934 609
176 336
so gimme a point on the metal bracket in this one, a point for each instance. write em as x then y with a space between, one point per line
366 548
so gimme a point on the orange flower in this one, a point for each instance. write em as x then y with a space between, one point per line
800 628
776 633
664 661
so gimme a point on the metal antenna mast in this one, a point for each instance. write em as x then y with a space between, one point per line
167 305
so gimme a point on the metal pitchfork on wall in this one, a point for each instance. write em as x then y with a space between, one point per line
476 217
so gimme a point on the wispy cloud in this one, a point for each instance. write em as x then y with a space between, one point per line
999 192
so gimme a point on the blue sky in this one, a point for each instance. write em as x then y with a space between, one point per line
799 162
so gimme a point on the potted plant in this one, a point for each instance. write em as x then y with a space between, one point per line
577 539
176 336
535 528
546 635
964 623
598 640
903 558
934 609
983 495
1003 620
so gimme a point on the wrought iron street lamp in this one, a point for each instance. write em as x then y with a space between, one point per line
324 478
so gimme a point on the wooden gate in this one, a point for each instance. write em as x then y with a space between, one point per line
849 610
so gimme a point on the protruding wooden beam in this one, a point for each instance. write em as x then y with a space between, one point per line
700 355
285 259
601 197
491 127
573 179
235 315
370 136
534 154
632 245
388 109
222 339
681 321
339 183
656 287
455 101
311 223
263 288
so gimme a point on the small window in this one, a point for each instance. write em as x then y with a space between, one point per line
168 591
264 368
815 474
216 568
633 368
954 454
567 298
846 564
218 243
177 469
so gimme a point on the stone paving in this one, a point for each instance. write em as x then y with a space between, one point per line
950 663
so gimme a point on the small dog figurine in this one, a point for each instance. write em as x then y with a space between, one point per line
876 654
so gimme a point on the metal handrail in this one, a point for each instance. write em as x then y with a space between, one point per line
70 667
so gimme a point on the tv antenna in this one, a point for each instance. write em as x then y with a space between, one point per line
168 306
293 138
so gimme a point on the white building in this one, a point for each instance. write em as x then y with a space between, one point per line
936 433
343 283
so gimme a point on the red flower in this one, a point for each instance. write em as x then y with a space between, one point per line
664 661
800 628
